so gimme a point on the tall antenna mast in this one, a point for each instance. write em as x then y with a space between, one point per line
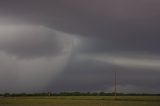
115 85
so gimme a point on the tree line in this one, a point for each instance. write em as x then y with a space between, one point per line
75 94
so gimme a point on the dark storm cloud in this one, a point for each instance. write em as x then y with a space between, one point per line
131 25
85 16
107 26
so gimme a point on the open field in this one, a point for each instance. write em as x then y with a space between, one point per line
81 101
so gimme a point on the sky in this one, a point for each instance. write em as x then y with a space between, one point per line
77 45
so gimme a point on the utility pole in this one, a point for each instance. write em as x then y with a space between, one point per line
115 85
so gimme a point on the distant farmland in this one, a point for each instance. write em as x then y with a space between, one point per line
81 101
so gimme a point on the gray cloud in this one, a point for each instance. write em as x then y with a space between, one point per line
33 41
83 16
31 56
126 60
97 26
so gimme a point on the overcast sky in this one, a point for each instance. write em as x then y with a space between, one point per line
77 45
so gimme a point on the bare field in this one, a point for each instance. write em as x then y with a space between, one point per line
81 101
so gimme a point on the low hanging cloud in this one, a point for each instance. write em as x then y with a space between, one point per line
31 57
140 61
29 41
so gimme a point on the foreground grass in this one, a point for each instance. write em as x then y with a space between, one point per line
81 101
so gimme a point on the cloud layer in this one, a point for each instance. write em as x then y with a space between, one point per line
109 34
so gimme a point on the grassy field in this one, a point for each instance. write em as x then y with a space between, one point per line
81 101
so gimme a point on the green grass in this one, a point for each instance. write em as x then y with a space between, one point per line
81 101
